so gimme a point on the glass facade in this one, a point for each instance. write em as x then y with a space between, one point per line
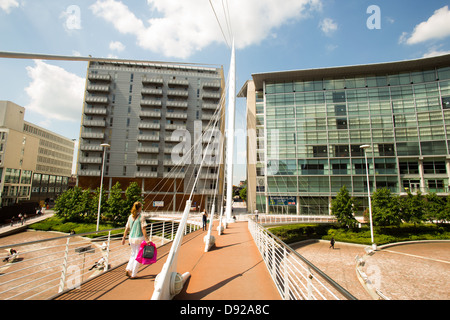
317 127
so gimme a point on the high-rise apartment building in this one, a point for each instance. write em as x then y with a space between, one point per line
306 129
35 163
135 108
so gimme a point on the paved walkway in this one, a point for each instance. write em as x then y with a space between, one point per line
232 270
412 271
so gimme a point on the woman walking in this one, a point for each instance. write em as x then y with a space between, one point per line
136 226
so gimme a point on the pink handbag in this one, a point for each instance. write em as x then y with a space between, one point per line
143 260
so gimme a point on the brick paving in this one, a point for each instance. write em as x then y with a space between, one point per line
416 271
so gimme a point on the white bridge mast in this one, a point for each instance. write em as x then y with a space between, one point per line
230 134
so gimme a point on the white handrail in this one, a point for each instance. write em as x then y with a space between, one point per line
294 276
48 267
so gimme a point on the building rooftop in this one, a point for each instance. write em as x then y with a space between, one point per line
349 71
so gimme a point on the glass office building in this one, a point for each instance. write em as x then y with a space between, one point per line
306 129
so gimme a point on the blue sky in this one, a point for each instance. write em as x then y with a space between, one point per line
270 35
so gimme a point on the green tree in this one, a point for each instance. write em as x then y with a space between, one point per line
91 216
385 208
243 194
445 214
132 194
115 204
343 208
434 207
84 206
412 207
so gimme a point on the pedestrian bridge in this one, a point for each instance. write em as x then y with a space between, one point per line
246 262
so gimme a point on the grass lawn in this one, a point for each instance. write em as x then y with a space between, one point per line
382 235
58 224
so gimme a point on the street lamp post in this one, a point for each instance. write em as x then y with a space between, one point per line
104 146
365 147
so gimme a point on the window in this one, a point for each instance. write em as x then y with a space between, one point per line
446 102
434 167
312 169
386 150
339 168
339 96
340 110
436 185
341 151
320 151
409 167
341 123
356 151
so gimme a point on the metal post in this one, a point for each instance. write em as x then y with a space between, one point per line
107 252
364 147
64 268
104 145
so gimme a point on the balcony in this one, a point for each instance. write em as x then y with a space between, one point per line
152 81
176 115
92 148
147 150
210 106
89 173
178 93
91 160
98 88
148 137
151 102
150 114
173 138
90 135
211 95
95 111
177 104
94 123
212 85
175 127
174 175
97 100
148 162
208 116
150 126
208 176
146 174
152 92
178 83
99 77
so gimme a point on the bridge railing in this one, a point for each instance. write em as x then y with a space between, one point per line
44 268
284 218
295 277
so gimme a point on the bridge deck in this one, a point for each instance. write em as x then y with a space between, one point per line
232 270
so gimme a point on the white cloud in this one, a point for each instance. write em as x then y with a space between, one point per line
434 52
436 27
116 46
54 92
181 28
328 26
7 5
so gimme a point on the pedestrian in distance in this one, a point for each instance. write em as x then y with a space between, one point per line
136 226
332 243
204 219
